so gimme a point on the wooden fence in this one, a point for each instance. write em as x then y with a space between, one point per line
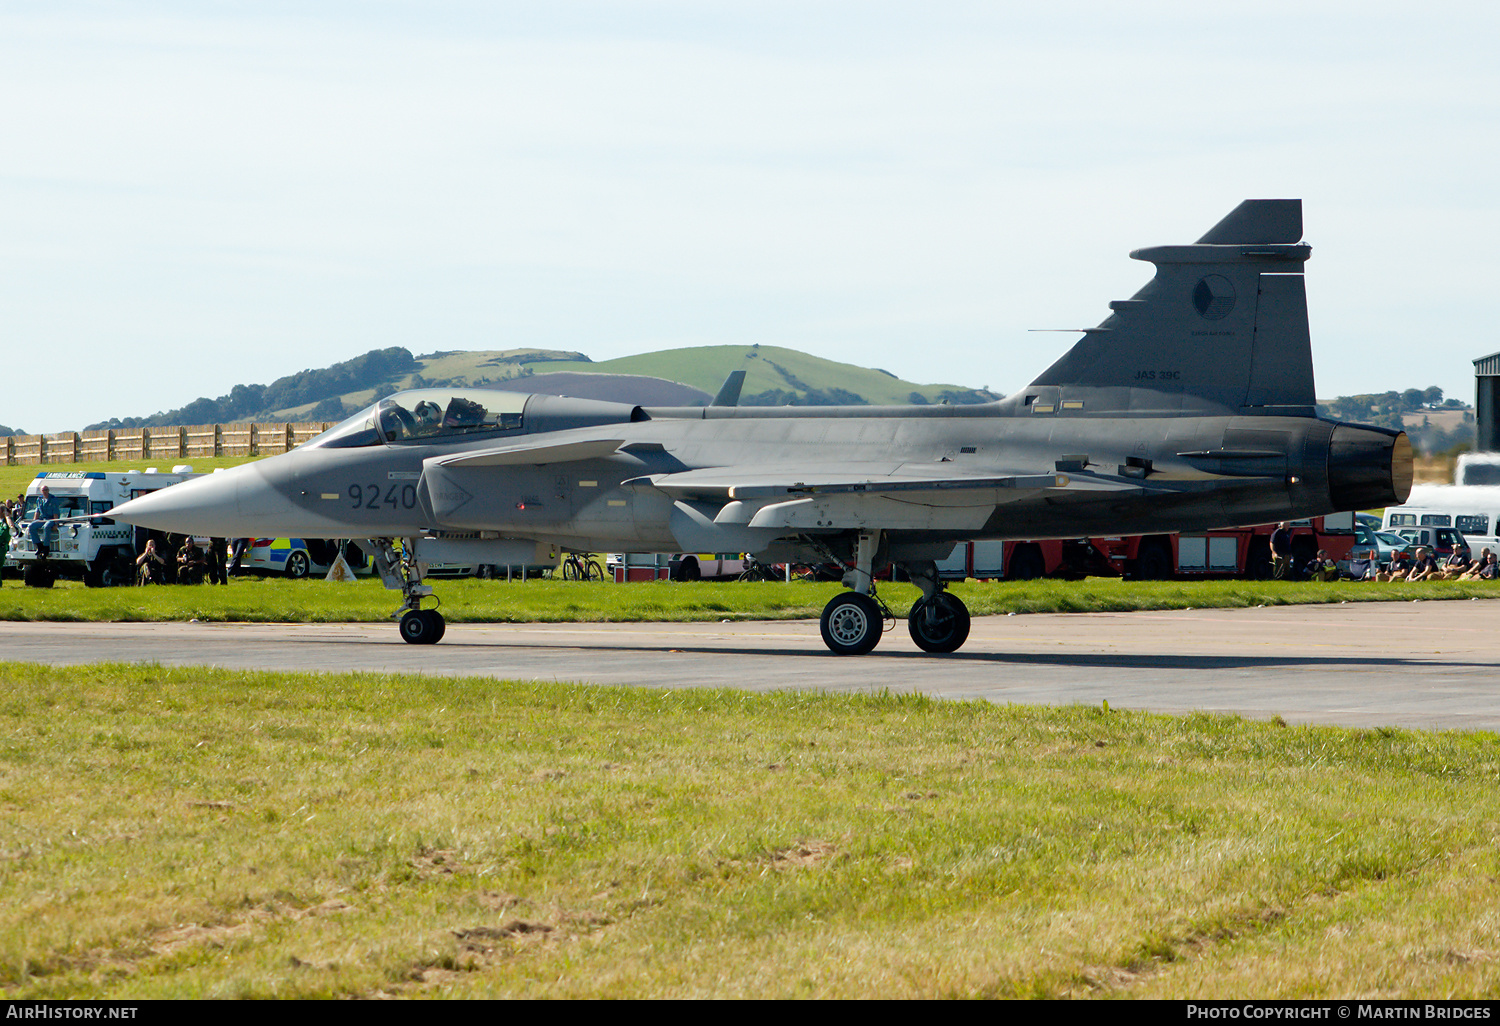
159 443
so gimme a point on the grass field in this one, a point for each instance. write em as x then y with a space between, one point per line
273 600
202 833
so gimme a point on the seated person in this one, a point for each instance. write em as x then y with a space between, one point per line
1400 566
43 531
429 417
150 568
1458 563
192 563
1425 567
1485 568
1321 568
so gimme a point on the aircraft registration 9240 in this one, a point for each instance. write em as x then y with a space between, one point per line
1189 407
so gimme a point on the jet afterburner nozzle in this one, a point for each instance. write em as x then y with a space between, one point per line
1368 467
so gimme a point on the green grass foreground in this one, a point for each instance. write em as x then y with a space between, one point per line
272 600
195 833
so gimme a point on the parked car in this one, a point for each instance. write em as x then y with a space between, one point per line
300 557
1384 544
1441 540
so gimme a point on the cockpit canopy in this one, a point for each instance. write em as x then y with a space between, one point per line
427 415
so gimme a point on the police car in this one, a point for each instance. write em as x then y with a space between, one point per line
300 557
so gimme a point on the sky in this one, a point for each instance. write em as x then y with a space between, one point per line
199 195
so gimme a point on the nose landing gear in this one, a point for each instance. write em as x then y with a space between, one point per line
402 573
853 622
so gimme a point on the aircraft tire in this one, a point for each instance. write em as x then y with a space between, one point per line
422 627
851 624
951 629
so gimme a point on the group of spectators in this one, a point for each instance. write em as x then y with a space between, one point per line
10 517
1423 566
191 564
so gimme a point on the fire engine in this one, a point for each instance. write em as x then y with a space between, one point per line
1226 552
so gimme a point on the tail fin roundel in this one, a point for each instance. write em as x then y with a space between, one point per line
1221 328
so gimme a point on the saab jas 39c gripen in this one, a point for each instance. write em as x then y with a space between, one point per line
1189 407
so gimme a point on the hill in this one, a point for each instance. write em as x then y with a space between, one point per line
775 376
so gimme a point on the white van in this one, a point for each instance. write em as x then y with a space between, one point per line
1471 510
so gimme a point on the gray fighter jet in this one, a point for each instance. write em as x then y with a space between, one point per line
1189 407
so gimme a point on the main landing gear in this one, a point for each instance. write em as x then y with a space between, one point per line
853 622
403 573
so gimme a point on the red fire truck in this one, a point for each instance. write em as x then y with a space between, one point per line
1224 552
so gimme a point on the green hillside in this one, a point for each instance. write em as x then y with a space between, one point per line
773 374
775 377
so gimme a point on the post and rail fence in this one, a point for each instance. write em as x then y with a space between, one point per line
159 443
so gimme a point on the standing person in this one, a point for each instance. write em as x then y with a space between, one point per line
44 523
237 553
218 552
5 529
1281 550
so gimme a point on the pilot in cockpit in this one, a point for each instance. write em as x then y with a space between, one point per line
429 418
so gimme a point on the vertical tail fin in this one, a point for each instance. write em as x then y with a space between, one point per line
1221 328
729 392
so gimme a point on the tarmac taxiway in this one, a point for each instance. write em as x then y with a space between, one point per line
1423 664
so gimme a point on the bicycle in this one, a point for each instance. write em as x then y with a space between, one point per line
581 568
755 570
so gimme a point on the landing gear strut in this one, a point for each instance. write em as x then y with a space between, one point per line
853 622
403 573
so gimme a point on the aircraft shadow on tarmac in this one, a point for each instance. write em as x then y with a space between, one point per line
1085 660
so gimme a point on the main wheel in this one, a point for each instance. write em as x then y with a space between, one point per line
422 627
851 624
297 565
946 629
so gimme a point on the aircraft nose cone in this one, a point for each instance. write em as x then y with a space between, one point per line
201 506
232 504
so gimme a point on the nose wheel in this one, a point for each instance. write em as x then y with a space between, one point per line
852 624
422 627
